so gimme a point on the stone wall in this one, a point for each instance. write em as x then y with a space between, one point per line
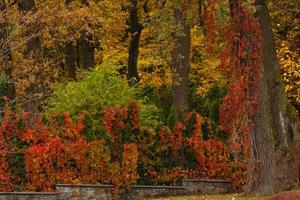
86 191
104 192
196 186
29 196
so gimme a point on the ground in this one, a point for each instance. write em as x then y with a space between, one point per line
290 195
212 197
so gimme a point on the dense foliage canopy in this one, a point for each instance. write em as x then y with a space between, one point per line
146 91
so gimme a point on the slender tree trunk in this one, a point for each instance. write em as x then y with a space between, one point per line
5 53
200 13
272 133
86 47
71 55
33 45
135 30
86 52
71 60
32 51
180 64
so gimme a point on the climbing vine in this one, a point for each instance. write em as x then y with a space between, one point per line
241 62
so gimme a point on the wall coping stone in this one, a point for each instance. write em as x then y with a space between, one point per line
206 180
31 193
85 185
102 191
111 186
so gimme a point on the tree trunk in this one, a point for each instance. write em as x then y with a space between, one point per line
180 64
33 45
135 30
6 54
272 135
200 13
86 47
86 51
32 51
71 60
71 55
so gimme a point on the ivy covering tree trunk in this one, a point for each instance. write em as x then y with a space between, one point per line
274 129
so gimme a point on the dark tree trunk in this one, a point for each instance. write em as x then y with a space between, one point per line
67 2
32 51
200 13
71 60
180 64
135 30
33 45
86 52
71 55
86 47
6 54
272 134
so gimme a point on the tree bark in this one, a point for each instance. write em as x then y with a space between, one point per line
71 55
33 45
86 47
32 51
200 13
6 54
71 60
86 52
135 30
272 134
180 64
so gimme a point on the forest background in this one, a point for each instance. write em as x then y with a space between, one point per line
134 90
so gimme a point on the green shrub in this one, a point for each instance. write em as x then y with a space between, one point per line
209 106
100 88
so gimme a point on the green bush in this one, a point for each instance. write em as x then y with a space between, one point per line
209 106
100 88
162 98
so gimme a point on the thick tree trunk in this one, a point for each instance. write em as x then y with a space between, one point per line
135 30
272 134
180 64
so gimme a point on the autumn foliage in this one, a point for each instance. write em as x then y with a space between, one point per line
86 125
56 152
199 158
241 62
37 155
